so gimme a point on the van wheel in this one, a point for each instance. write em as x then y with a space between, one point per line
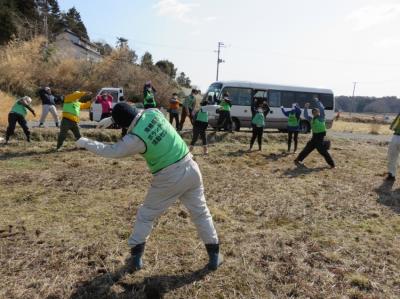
305 127
235 125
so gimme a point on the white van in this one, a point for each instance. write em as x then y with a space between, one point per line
96 110
243 95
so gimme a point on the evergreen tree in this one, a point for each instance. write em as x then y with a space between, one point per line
147 61
167 67
72 20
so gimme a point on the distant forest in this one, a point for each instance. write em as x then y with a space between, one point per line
368 104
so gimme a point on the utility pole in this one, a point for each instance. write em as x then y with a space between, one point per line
352 98
219 60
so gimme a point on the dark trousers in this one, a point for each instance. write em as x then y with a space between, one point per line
292 135
199 129
316 142
105 115
67 125
183 117
13 119
224 120
257 134
174 116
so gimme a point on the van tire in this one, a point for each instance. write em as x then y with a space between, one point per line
305 127
235 125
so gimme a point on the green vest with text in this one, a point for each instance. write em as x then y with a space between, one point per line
202 116
259 120
225 106
73 108
318 126
293 121
164 146
19 109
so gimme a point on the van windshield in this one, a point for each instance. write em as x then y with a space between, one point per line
213 92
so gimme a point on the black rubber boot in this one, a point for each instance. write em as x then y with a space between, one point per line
215 258
136 255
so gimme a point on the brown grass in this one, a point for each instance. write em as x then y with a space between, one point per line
357 127
6 102
286 232
26 66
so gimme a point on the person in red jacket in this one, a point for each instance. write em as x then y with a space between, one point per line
105 99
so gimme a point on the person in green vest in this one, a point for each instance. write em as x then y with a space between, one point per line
200 126
70 116
258 124
188 108
293 126
149 95
175 176
394 149
225 120
318 128
17 115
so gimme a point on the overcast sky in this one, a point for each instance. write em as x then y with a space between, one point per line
315 43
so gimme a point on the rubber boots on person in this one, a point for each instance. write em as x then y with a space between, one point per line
136 256
215 258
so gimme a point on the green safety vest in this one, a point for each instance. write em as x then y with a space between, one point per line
149 100
318 126
293 121
202 116
259 120
73 108
225 106
19 109
164 146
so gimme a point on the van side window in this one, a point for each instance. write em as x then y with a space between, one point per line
239 96
327 100
274 98
288 98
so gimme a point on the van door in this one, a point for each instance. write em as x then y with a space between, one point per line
241 104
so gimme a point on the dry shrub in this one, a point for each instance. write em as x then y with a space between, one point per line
6 102
21 64
26 65
375 128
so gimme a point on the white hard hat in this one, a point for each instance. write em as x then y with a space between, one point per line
27 100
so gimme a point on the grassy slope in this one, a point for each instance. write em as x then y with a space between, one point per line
286 232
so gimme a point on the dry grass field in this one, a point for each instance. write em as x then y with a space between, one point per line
358 127
286 232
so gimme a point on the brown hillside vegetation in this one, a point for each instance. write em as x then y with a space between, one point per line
25 66
286 232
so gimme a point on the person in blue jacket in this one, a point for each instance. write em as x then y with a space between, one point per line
318 128
293 126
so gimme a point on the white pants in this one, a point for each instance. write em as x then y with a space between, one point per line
393 154
45 110
181 180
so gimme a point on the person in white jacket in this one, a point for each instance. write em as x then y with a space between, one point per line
394 149
175 176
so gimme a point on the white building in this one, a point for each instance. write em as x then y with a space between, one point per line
71 45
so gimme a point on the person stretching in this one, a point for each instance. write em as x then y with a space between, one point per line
318 128
17 115
175 176
258 124
200 126
394 149
293 126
